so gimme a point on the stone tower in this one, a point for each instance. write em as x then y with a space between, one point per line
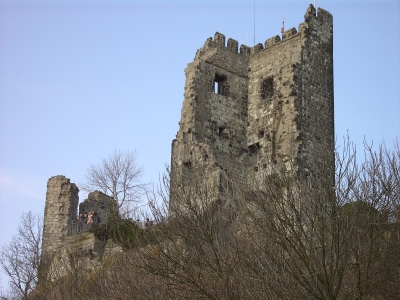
64 236
60 209
248 109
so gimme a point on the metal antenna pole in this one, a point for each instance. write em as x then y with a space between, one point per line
254 41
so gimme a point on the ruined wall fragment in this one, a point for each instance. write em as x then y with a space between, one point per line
60 208
99 202
315 98
63 248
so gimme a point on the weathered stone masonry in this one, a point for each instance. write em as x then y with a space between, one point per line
59 240
249 108
245 110
60 209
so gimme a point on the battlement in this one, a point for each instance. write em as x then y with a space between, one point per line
310 13
233 45
321 14
289 33
272 41
324 16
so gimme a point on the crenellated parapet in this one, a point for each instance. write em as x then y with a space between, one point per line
245 49
289 33
233 45
324 16
310 13
272 41
219 40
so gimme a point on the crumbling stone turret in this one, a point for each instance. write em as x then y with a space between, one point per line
60 209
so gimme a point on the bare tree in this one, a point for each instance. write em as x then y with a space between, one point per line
118 176
20 259
331 241
331 235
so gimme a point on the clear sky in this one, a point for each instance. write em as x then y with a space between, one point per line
79 79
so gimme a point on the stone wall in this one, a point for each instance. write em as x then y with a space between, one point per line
251 112
60 209
247 113
315 99
83 252
212 135
101 203
61 239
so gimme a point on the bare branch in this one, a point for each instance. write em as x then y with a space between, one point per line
118 176
20 259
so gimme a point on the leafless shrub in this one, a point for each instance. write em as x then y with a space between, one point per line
331 237
20 259
333 234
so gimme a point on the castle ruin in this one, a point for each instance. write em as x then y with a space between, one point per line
245 109
63 233
248 109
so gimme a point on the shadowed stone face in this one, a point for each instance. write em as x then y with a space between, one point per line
100 203
61 205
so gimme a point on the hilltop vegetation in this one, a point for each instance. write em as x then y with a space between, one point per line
319 238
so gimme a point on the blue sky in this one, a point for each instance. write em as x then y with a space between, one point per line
79 79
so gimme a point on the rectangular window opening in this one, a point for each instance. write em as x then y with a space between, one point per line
223 132
267 88
186 173
221 85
